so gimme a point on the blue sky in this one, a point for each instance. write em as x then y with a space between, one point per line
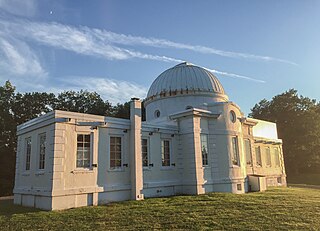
257 49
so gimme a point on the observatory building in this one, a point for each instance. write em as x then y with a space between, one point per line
193 141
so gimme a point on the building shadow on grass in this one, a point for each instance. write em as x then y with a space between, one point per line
7 208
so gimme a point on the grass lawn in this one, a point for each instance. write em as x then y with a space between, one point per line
276 209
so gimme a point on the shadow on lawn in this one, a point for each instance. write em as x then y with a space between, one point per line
7 208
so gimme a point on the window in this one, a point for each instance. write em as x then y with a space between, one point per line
233 116
115 152
83 151
157 114
276 157
144 149
268 156
258 156
279 180
235 151
165 152
204 149
28 152
42 150
247 147
239 187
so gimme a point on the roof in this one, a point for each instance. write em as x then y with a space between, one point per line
185 77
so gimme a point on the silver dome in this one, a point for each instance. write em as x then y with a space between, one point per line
185 77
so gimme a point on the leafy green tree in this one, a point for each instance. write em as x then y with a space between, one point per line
7 138
121 111
297 119
82 101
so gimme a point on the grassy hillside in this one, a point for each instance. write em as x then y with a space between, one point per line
278 208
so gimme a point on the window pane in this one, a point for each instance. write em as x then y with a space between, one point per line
204 149
165 152
83 151
118 163
235 154
276 157
28 152
247 147
115 152
258 156
87 138
268 156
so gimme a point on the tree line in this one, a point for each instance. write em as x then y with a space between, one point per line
297 118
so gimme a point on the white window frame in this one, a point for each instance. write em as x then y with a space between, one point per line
27 154
91 151
255 149
207 144
249 152
109 152
39 151
276 155
235 151
268 156
170 153
148 152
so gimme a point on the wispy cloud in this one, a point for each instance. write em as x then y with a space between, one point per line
235 75
74 39
163 43
17 58
110 89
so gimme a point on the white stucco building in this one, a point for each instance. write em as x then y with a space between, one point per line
194 141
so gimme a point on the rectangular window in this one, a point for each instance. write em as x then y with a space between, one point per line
204 149
144 150
247 147
258 156
83 151
276 157
165 152
235 151
42 150
115 152
28 152
268 156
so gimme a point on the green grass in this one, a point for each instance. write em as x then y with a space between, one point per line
276 209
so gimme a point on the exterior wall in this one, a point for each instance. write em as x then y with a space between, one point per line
168 106
227 176
159 180
113 181
33 187
275 175
192 169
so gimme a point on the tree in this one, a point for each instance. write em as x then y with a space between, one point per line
121 111
297 119
82 101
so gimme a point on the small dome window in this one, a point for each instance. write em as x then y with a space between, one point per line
188 107
233 116
157 114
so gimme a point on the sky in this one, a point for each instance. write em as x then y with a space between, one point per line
257 49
